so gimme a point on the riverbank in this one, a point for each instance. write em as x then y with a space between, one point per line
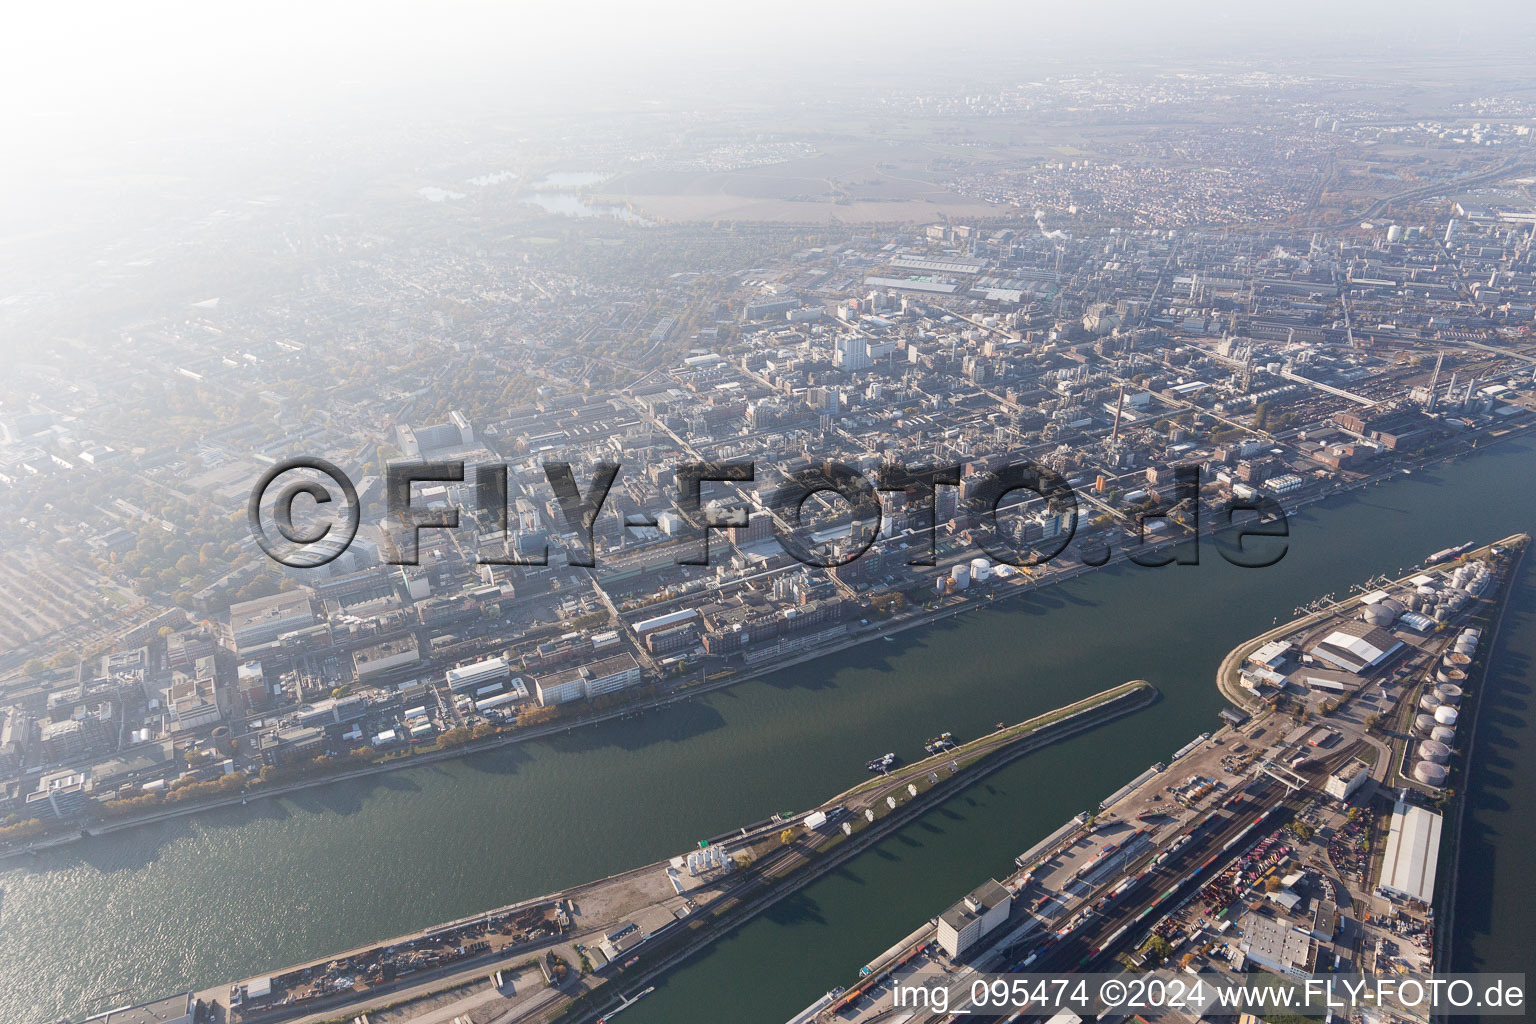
281 881
1022 739
1227 675
1445 923
897 624
1386 771
779 868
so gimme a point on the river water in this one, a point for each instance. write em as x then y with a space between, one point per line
245 890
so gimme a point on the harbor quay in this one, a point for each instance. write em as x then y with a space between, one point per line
571 954
1301 835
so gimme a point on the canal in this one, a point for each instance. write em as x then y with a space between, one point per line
240 891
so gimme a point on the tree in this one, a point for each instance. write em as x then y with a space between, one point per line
453 738
1157 950
21 830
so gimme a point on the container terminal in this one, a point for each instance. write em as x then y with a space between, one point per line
1301 835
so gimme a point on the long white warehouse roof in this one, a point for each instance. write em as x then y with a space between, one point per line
486 669
663 621
1413 852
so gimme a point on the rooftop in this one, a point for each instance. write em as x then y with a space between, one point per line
976 904
170 1010
1276 942
1413 852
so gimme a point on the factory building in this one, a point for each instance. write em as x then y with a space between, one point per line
194 704
609 675
253 623
60 796
1342 784
1276 946
332 711
395 652
480 673
178 1009
665 622
967 922
290 745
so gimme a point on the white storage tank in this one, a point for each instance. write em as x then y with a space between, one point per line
1429 773
981 570
1455 659
1450 693
961 574
1423 723
1429 702
1434 750
1376 615
1446 716
1444 734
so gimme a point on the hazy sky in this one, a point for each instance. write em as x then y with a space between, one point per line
117 66
95 89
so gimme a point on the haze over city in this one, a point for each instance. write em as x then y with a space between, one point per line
810 513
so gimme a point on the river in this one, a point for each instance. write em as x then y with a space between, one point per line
241 891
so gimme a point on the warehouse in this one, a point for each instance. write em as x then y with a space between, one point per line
1356 647
1413 852
667 621
481 673
1276 946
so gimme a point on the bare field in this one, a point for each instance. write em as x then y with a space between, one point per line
896 176
865 184
728 207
